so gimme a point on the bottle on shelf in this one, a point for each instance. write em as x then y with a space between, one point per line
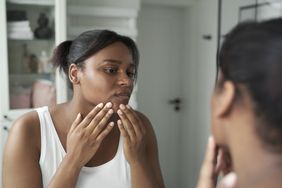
44 63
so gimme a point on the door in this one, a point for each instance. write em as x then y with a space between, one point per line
160 32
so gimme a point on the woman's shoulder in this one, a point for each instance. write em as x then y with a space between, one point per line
147 123
22 151
26 129
28 121
143 118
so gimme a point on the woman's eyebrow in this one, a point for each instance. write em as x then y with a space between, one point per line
114 61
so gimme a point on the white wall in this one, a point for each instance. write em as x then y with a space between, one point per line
119 16
199 77
230 13
160 42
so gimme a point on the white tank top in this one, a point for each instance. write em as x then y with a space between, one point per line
113 174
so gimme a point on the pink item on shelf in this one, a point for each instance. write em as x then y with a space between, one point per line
20 98
43 94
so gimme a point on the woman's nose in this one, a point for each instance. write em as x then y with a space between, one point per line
124 79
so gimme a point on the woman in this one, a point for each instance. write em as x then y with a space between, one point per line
95 139
247 110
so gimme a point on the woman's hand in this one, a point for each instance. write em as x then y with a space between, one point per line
229 181
134 133
225 168
216 161
86 135
208 174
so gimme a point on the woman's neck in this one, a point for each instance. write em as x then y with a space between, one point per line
253 163
255 166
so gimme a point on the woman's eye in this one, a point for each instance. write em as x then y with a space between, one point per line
131 74
110 70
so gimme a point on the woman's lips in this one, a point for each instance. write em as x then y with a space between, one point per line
125 97
122 97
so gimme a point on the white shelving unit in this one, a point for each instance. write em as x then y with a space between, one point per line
11 49
12 70
33 2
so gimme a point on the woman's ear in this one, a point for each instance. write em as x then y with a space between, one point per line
73 74
225 99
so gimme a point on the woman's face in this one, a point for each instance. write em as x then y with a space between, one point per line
108 76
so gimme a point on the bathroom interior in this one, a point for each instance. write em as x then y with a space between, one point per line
178 42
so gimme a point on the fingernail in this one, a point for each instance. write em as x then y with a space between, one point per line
122 106
78 115
112 124
229 180
127 106
110 111
119 122
100 105
119 112
210 139
109 105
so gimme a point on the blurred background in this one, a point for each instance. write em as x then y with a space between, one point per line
178 42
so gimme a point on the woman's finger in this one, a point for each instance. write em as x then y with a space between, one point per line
220 163
228 162
105 132
127 125
100 126
76 122
123 131
97 118
137 117
224 164
88 118
208 177
133 119
210 157
229 181
143 129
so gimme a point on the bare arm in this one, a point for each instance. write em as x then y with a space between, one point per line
66 175
152 167
153 155
21 155
21 159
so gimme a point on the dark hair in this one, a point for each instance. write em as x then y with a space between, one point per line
87 44
251 55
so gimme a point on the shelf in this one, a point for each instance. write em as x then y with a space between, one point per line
27 80
102 11
52 40
32 2
30 77
18 53
31 74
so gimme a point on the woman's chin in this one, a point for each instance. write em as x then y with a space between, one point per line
116 106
